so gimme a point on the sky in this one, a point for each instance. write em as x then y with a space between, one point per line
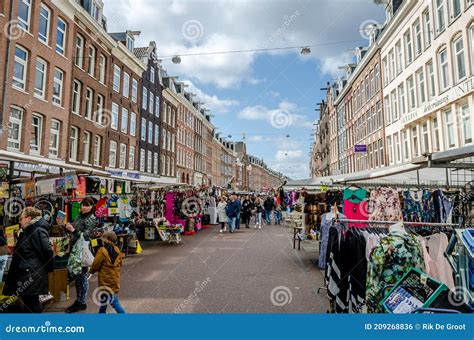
266 98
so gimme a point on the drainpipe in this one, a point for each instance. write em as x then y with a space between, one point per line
7 67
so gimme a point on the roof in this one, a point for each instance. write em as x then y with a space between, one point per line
141 52
121 36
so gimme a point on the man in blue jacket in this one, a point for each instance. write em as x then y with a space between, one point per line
232 210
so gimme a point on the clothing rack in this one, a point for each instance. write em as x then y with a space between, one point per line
417 224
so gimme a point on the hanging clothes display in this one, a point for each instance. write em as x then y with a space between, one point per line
392 258
384 205
443 206
438 266
355 206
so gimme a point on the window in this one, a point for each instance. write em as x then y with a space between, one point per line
425 139
99 115
124 125
379 115
157 106
117 71
89 103
155 163
381 153
126 85
143 130
58 86
61 30
79 51
131 157
375 162
157 134
421 86
91 61
133 124
24 14
87 147
427 28
150 132
369 124
40 78
455 9
149 161
113 154
54 135
20 68
399 57
401 97
377 78
367 90
145 98
406 145
372 83
385 72
411 93
408 47
459 59
15 124
444 69
396 141
44 23
417 37
436 144
114 118
471 34
73 143
36 134
451 142
152 74
123 156
394 106
134 90
440 16
142 160
130 43
152 104
76 97
102 68
431 79
163 143
466 133
97 150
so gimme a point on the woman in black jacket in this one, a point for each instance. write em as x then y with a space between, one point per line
247 207
32 260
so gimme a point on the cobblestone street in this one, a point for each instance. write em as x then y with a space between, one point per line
250 271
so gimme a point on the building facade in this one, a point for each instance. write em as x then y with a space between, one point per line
168 131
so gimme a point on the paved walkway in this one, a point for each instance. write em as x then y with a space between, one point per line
250 271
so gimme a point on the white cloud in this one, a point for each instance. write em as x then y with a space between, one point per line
330 65
288 155
241 25
212 102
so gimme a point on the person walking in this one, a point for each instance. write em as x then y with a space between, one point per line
258 213
84 224
108 262
232 210
221 213
269 205
32 259
239 203
247 207
278 214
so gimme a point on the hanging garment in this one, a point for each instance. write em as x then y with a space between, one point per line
389 261
333 197
384 205
411 206
325 225
428 209
443 206
355 269
439 267
337 283
355 195
356 211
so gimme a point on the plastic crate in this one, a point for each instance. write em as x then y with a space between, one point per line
414 290
468 236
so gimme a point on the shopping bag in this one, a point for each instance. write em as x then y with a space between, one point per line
74 264
87 256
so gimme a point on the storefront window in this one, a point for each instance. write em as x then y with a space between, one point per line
451 143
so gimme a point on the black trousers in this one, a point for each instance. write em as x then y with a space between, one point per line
246 219
31 304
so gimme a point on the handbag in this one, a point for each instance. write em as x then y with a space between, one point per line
87 256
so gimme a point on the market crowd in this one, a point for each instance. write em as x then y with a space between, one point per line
235 210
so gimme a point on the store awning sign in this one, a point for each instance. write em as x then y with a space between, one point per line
362 148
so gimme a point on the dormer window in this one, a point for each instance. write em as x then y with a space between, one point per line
96 11
130 43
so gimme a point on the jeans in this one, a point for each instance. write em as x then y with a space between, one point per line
231 222
278 217
268 216
82 287
237 222
258 219
113 300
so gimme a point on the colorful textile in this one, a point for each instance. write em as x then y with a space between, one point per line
356 211
384 205
389 261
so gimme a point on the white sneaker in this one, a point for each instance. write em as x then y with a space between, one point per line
255 227
259 227
220 231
